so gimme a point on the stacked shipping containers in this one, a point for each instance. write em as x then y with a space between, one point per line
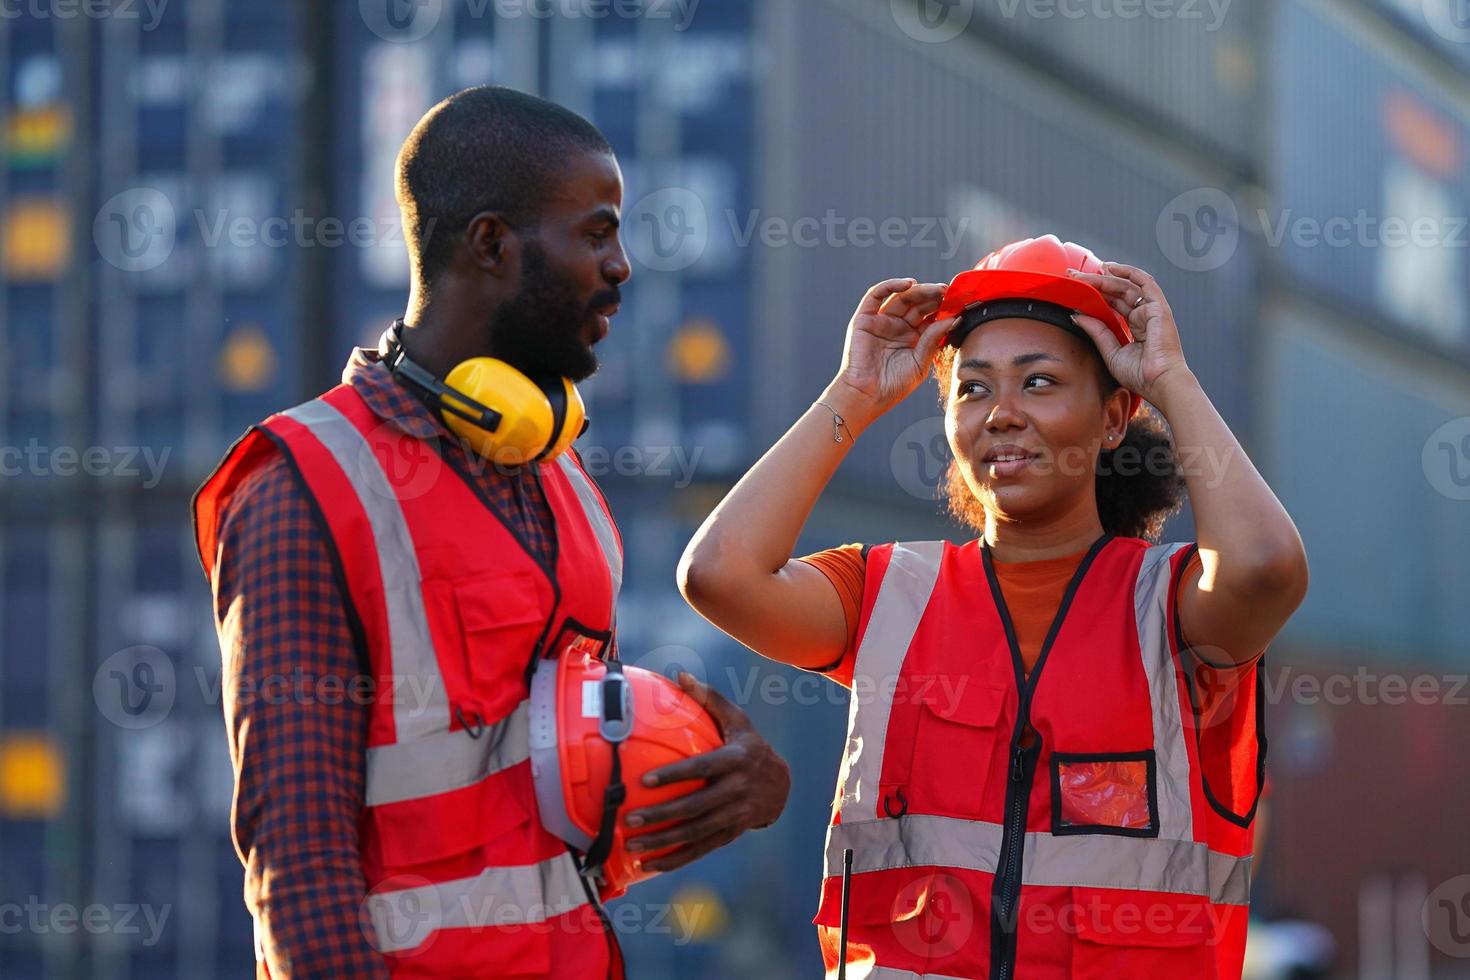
756 139
1364 409
152 324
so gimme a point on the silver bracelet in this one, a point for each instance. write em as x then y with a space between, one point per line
838 423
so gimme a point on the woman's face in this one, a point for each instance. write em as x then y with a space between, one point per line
1023 388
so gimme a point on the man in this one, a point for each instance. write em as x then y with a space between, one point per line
398 833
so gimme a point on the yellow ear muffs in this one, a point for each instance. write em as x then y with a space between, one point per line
505 416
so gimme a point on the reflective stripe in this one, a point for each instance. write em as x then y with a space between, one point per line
602 527
426 711
913 568
505 896
1090 860
445 761
889 973
1150 600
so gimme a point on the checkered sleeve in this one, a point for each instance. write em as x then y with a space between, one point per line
296 719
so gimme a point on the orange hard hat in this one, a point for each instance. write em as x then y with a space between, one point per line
597 726
1029 279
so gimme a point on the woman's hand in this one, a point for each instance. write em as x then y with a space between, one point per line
1156 354
889 346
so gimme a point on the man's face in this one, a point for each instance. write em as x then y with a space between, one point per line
572 266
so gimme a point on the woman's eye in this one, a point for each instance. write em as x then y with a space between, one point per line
1041 377
968 387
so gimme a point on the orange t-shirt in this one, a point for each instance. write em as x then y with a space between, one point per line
1033 593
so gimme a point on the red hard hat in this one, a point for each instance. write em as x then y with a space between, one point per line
1032 269
597 726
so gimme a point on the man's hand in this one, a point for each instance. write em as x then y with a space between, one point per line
747 785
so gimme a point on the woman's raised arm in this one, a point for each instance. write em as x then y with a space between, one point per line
738 570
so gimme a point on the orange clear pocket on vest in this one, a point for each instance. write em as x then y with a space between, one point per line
1104 793
1128 933
956 724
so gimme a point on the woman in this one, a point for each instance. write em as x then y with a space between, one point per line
1096 824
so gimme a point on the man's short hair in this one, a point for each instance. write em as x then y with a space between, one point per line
488 148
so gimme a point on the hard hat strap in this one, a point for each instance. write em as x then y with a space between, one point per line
616 793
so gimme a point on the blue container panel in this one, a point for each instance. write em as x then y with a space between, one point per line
27 618
1439 24
1193 67
1352 453
1360 141
1059 169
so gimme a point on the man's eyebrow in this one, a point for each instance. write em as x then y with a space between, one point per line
1021 359
604 214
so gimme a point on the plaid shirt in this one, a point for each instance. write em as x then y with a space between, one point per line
294 714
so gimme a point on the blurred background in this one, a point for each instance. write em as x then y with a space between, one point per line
197 223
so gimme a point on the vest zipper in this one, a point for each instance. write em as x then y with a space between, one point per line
1005 893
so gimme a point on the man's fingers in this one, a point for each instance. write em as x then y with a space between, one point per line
880 291
728 716
716 762
686 831
686 807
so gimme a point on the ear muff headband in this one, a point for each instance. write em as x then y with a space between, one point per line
502 413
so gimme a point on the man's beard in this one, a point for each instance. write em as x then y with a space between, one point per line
540 330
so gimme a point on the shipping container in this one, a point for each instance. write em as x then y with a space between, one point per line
199 228
163 780
43 752
1185 68
1368 177
1020 158
1438 24
1368 447
1339 721
44 73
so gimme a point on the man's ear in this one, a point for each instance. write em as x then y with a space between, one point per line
492 244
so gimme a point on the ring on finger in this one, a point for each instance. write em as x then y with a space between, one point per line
1138 301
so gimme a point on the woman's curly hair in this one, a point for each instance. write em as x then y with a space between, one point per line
1140 484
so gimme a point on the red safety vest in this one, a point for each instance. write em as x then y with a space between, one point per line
452 611
1095 848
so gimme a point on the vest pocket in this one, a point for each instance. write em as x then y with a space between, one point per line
1105 793
500 618
1126 933
954 741
468 823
